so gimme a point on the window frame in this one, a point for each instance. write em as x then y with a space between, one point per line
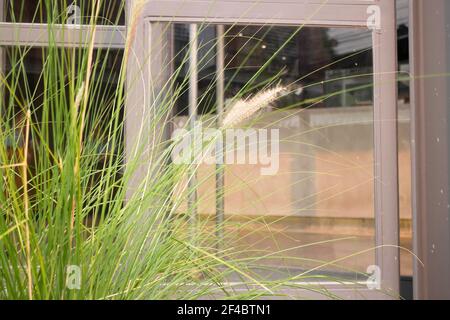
67 36
150 30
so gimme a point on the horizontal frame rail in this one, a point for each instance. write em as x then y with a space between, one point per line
41 35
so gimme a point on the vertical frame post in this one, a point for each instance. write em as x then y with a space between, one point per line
220 163
136 93
149 71
193 113
386 149
430 113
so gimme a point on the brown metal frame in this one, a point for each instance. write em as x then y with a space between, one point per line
37 34
430 89
2 63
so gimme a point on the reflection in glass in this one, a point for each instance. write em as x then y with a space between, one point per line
317 211
35 84
112 12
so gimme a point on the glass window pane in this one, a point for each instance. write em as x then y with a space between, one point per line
112 12
206 68
317 209
34 83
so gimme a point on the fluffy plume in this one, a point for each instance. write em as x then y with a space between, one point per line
79 97
243 109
